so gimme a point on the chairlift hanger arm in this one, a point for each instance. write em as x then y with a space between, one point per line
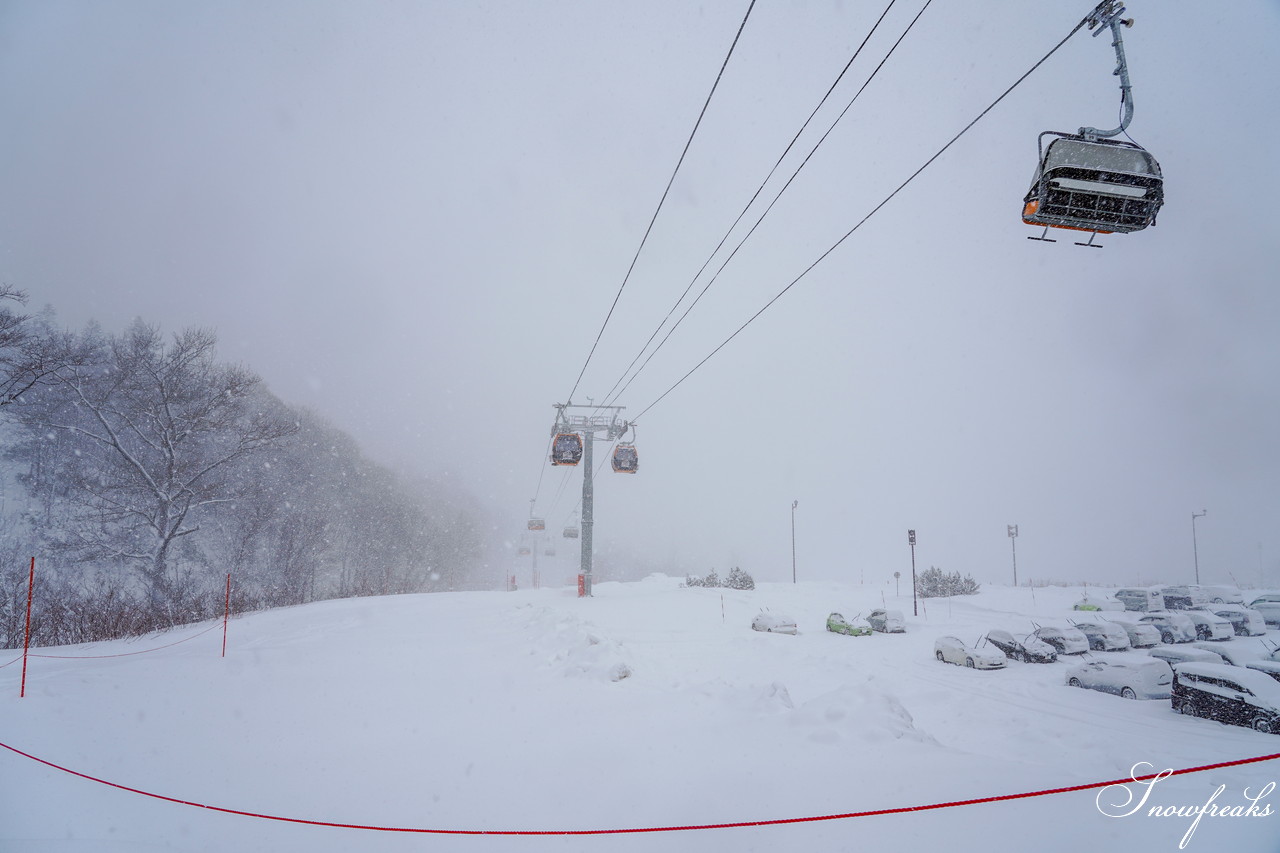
1107 15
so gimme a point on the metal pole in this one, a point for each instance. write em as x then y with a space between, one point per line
588 507
26 639
1195 550
794 504
1013 540
911 539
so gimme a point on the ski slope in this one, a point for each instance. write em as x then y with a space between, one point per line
647 706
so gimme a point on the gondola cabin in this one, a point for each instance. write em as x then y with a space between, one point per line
625 459
1099 185
566 449
537 524
524 551
571 533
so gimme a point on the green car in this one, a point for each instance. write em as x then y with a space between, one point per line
839 625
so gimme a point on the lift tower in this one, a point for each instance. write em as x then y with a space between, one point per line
611 425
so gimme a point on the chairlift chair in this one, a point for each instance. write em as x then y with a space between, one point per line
625 459
571 533
566 449
1099 185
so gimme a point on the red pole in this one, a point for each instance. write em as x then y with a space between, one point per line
26 642
226 614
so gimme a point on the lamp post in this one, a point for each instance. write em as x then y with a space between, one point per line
911 540
1013 541
794 504
1195 551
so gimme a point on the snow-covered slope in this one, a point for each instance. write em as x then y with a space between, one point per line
646 706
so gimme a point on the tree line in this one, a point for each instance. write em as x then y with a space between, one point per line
141 470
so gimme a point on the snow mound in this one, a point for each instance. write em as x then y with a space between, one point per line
576 648
858 712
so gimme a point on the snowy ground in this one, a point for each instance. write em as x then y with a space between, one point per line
500 711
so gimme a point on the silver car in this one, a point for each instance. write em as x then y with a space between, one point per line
1068 641
1269 606
887 621
1209 625
1245 621
1141 634
1136 679
1173 627
954 650
1105 636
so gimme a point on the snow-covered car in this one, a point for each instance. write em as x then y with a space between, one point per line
1026 648
1140 598
1245 621
1097 602
1236 695
1209 625
1066 641
1268 667
1232 654
839 625
773 623
887 621
1182 597
1173 627
1269 606
1104 636
1174 655
1141 634
954 650
1222 594
1132 679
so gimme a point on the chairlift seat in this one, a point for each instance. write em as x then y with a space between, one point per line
1099 185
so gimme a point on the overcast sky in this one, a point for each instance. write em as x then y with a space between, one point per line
413 218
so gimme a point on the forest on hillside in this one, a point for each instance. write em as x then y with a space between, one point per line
140 471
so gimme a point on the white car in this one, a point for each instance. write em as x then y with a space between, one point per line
1174 655
954 650
1231 654
1222 594
773 623
1105 636
1173 627
1132 679
1209 625
1142 635
1270 667
1269 606
1068 641
1246 621
887 621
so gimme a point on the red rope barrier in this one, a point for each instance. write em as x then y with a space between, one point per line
649 829
128 654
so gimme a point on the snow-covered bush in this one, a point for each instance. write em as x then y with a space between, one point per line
934 583
738 579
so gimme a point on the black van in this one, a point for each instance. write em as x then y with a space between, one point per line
1232 694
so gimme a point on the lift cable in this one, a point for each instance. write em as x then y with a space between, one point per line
609 397
771 204
864 219
654 219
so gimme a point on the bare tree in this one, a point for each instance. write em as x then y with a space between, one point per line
158 429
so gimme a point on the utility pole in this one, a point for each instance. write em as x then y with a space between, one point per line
1195 550
612 428
911 540
794 504
1013 542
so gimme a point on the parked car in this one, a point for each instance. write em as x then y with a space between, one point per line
857 628
1209 625
1182 597
1104 636
1233 654
773 623
954 650
1066 641
1097 602
1222 594
1173 627
1174 655
1142 635
1235 695
887 621
1026 648
1140 598
1269 606
1267 667
1245 621
1132 679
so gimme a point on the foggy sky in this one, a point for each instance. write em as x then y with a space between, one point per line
413 217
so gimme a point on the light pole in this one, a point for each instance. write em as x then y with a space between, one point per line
794 504
911 540
1195 551
1013 541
